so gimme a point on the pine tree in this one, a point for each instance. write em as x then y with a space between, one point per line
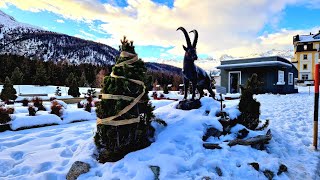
74 89
40 78
17 76
131 130
83 80
8 92
248 106
69 79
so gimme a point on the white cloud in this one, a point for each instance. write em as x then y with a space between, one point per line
86 34
60 21
225 27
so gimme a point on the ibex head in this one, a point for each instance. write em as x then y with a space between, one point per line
191 52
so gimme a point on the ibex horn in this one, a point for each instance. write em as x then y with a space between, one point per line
186 35
195 38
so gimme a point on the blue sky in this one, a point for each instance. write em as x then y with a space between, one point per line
224 28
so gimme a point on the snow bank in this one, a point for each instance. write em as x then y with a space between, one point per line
70 115
41 118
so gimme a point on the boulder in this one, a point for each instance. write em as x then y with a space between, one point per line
77 169
189 104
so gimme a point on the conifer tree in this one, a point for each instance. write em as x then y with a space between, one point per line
248 106
83 80
69 79
8 92
40 78
120 129
74 89
17 76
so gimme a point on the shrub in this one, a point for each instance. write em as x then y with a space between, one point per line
25 102
80 105
56 108
5 115
32 111
88 107
37 102
8 92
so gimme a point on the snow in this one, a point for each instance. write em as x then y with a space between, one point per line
48 152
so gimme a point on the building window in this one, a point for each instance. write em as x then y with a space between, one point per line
281 78
305 66
290 78
305 56
304 77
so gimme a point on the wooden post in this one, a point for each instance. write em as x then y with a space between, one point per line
316 106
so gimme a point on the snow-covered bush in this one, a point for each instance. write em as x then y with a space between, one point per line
5 115
32 111
37 102
25 102
56 108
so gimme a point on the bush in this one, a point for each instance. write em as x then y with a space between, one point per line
8 92
56 108
88 107
5 115
248 106
32 111
80 105
37 102
25 102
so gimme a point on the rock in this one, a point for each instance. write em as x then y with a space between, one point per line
206 178
77 169
269 174
156 171
211 132
189 104
255 165
282 168
211 146
227 124
218 170
242 133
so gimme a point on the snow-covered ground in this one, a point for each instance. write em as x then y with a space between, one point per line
48 152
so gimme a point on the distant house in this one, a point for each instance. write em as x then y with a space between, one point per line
306 54
277 74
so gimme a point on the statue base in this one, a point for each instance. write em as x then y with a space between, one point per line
189 104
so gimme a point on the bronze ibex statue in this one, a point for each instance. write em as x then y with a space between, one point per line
198 77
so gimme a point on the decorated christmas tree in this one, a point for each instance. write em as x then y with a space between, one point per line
124 114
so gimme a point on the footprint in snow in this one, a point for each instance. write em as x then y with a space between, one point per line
66 153
46 134
17 155
45 167
58 138
55 145
69 142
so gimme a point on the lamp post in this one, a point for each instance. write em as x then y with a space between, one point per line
316 106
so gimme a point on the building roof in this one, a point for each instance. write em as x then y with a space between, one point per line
307 38
255 62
